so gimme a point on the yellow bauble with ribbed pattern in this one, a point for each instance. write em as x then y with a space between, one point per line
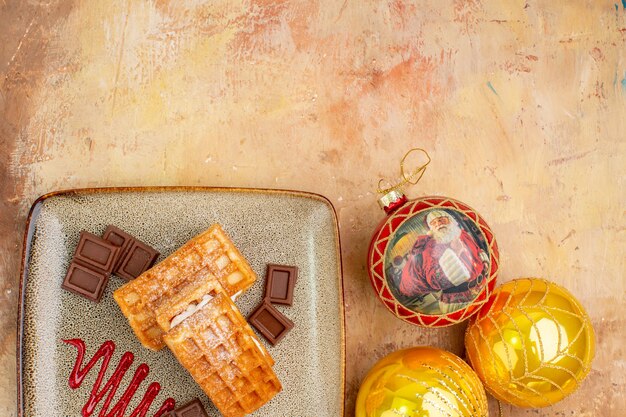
532 344
421 382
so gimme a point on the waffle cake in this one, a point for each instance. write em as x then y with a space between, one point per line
209 259
223 355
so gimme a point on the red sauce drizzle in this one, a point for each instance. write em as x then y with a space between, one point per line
105 352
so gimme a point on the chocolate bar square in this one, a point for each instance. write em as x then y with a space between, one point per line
139 258
279 283
193 408
85 281
118 237
271 323
95 252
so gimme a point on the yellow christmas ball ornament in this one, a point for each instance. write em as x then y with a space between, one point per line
532 344
421 382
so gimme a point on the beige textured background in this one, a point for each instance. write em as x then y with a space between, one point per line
522 105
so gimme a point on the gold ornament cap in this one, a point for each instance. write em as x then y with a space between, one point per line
391 200
392 196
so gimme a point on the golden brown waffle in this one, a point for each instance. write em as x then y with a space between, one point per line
222 353
211 250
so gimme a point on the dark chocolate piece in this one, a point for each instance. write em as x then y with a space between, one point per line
96 252
120 238
279 283
86 281
140 258
193 408
271 323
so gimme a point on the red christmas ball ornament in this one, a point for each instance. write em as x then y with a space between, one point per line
432 261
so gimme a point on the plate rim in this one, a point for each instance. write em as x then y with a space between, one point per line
29 230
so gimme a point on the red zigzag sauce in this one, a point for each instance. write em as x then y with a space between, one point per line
105 352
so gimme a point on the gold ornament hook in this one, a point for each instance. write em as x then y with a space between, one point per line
412 178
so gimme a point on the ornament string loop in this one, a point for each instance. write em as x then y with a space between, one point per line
412 177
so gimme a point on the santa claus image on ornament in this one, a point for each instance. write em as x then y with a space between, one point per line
438 262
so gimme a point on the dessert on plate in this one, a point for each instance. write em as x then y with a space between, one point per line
186 303
211 250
